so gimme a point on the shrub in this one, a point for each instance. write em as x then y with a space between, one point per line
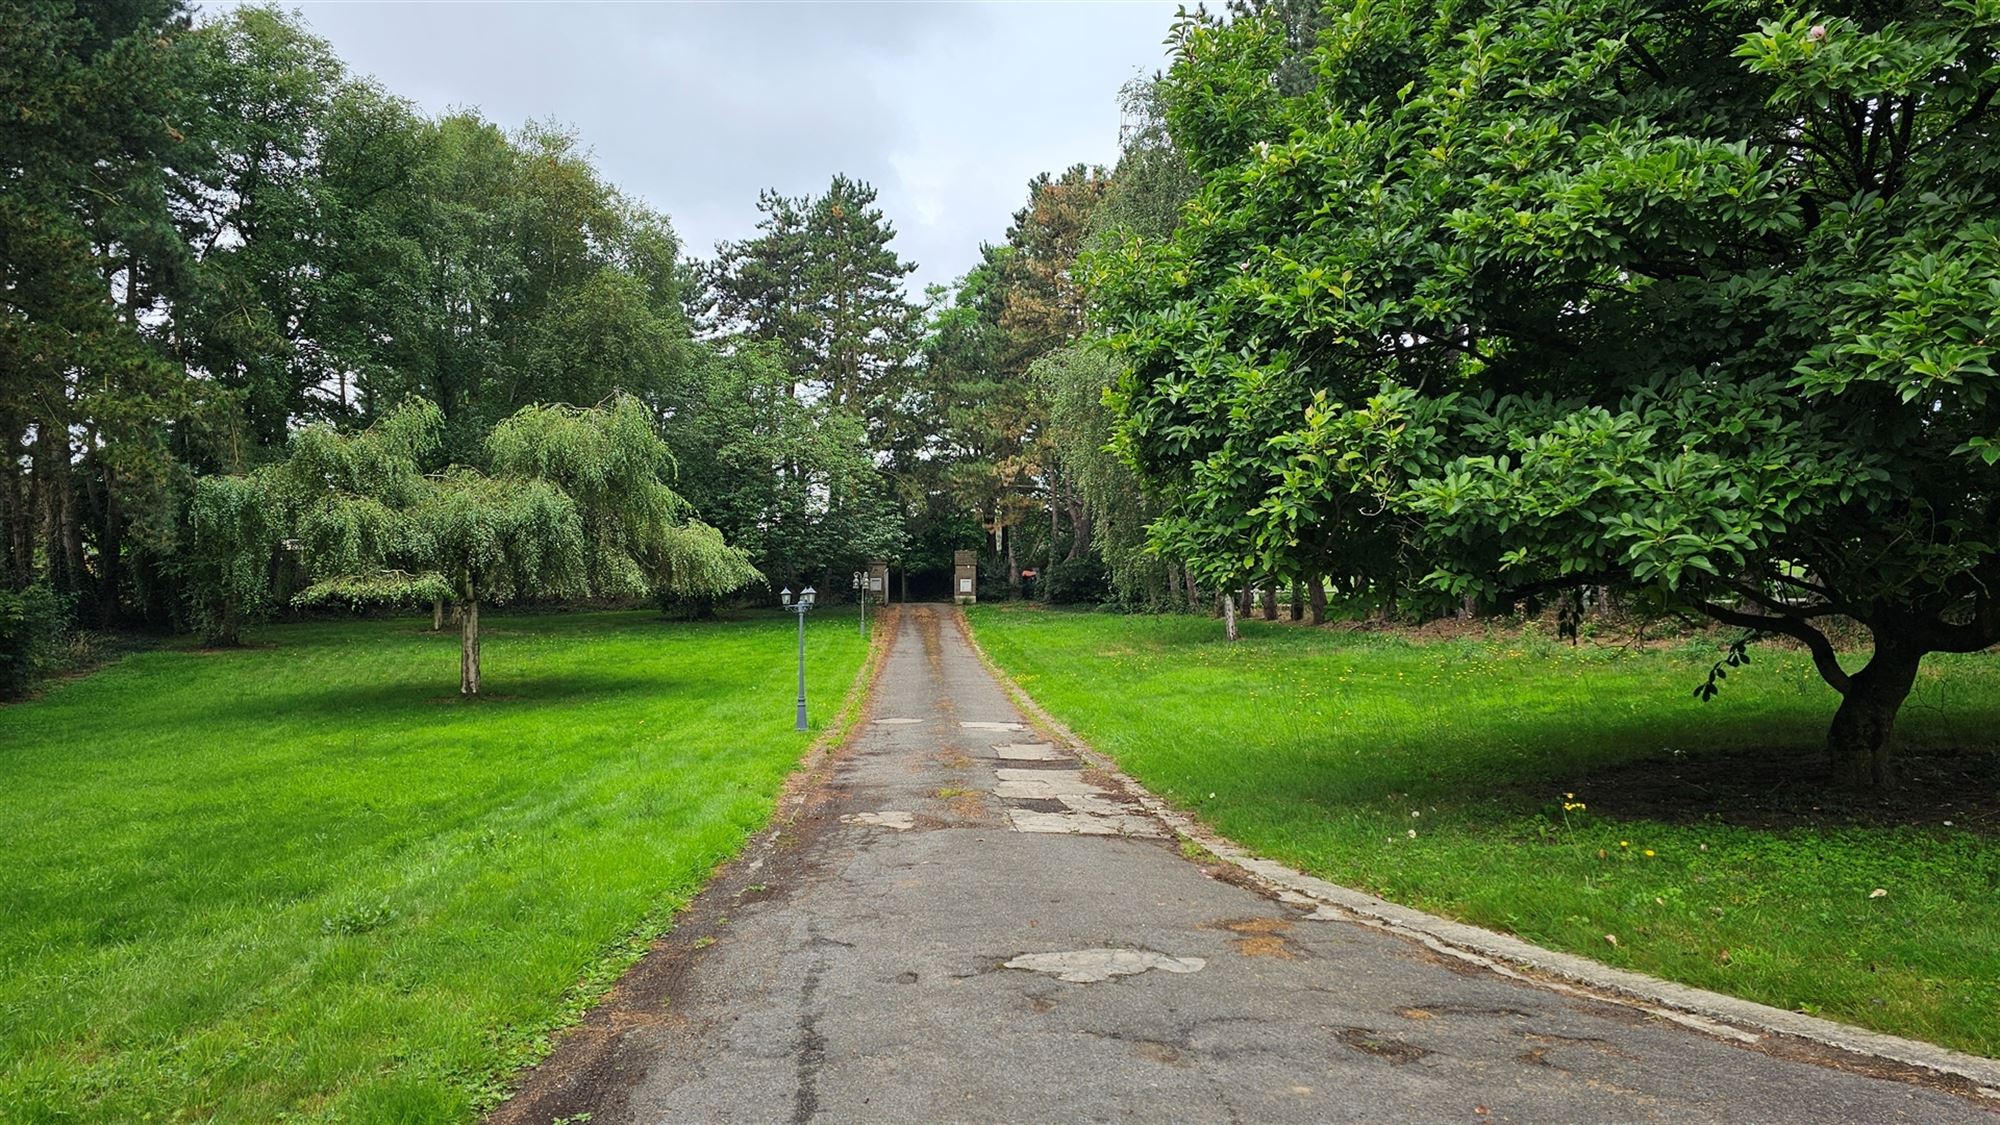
35 625
1076 581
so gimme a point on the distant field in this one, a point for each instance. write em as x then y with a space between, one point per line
1437 773
303 878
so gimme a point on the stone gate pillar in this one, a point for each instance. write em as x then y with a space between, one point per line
965 577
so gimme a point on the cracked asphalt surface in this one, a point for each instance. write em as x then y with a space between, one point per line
865 978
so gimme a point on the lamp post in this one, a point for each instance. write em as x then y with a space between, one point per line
861 590
804 603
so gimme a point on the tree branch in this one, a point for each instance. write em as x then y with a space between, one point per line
1801 584
1824 658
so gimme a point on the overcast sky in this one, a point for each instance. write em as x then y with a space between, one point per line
948 109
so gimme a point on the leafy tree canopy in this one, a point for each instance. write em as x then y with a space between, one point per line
1698 301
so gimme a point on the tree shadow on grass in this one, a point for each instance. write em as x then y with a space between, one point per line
1789 787
428 699
1754 772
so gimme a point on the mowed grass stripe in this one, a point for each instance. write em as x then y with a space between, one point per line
305 878
1434 774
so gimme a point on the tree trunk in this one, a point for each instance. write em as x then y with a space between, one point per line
110 552
1013 564
1054 530
1193 591
1298 600
1173 585
468 646
1859 739
20 536
437 615
1270 594
1316 601
1079 529
1229 615
71 533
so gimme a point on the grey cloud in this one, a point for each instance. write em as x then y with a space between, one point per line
948 109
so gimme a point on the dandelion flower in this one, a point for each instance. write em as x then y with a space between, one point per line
1650 851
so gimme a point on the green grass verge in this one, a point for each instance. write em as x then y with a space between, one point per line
1435 774
303 880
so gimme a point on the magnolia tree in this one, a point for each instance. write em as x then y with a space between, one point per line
575 504
1686 299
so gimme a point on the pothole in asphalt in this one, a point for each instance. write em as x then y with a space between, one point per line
899 722
1381 1046
1087 966
900 821
1261 937
993 726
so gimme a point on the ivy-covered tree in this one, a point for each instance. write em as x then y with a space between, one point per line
1698 301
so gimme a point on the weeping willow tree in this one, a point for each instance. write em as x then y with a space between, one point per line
639 534
576 503
225 558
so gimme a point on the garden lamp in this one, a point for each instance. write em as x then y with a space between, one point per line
804 603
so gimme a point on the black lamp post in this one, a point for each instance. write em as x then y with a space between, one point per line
800 607
861 589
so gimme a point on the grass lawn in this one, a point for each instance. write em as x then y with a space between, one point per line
1436 773
303 879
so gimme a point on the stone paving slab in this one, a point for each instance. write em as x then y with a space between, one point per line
1033 784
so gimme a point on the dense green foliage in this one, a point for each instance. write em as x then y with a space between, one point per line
1616 294
1436 774
266 881
215 239
33 625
